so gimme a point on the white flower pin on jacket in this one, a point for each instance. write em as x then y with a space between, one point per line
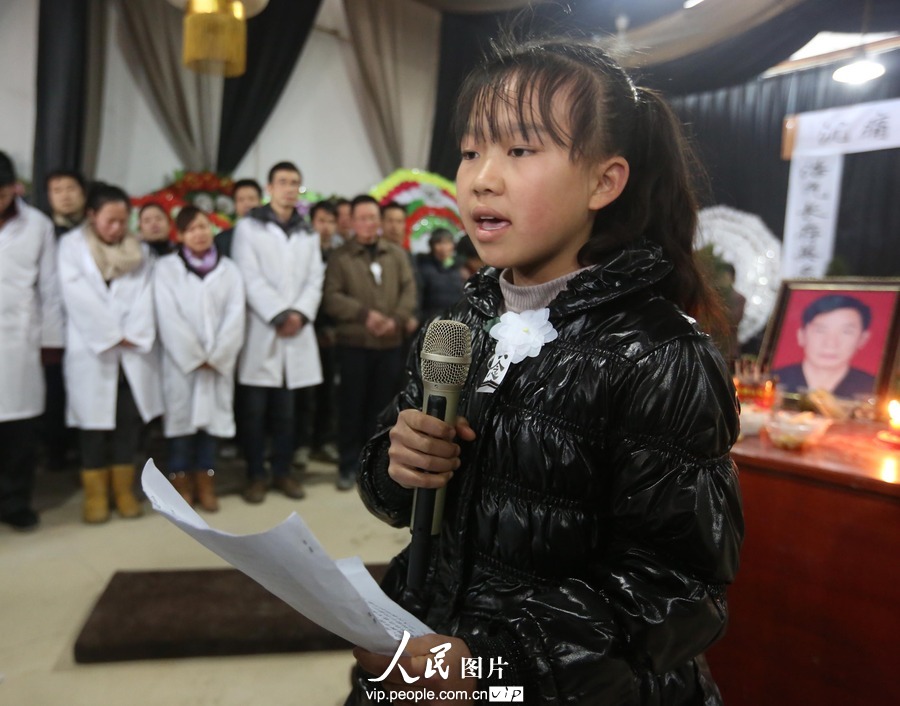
518 336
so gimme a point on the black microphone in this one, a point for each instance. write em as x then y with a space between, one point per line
446 354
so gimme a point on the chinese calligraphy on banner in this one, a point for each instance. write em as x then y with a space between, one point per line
814 188
811 218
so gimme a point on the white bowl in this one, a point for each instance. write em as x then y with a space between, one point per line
794 431
753 418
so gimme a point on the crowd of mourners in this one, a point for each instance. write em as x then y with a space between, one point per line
282 337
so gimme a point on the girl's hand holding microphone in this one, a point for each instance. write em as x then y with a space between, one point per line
423 451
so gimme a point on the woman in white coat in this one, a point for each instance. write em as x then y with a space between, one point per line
30 325
111 364
200 314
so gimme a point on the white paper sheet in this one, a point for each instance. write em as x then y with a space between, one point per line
289 562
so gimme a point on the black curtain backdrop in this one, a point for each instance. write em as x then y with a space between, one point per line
737 132
463 41
464 38
61 72
275 39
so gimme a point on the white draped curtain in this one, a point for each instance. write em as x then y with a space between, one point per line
187 104
396 45
692 30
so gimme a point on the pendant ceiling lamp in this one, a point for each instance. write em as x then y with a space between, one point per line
862 69
859 71
215 34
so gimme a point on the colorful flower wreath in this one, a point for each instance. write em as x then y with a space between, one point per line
429 200
205 190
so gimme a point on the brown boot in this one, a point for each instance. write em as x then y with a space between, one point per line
184 484
206 491
95 482
290 486
123 491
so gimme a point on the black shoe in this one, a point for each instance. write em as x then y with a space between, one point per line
346 482
23 520
326 454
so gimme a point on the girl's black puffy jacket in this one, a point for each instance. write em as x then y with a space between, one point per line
594 523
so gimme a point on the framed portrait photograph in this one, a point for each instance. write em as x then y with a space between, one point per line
837 334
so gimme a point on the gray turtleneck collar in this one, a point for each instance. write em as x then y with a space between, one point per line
536 296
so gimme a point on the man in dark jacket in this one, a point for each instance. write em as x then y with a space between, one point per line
834 329
247 196
440 280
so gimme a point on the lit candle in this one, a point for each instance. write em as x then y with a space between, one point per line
894 413
889 470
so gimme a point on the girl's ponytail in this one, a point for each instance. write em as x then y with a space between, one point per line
659 202
673 210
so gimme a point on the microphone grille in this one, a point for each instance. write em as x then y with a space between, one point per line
451 339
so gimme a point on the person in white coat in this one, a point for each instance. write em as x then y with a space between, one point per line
112 364
200 312
282 268
31 325
66 191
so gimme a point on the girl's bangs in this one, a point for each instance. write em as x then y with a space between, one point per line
492 106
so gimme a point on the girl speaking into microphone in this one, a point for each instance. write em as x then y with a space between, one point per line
593 515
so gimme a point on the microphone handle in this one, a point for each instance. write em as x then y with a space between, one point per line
428 503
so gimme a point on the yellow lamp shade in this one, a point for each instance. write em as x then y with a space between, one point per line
215 37
251 7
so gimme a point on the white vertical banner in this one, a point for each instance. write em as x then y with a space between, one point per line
814 194
814 189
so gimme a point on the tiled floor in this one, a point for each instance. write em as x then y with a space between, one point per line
49 580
